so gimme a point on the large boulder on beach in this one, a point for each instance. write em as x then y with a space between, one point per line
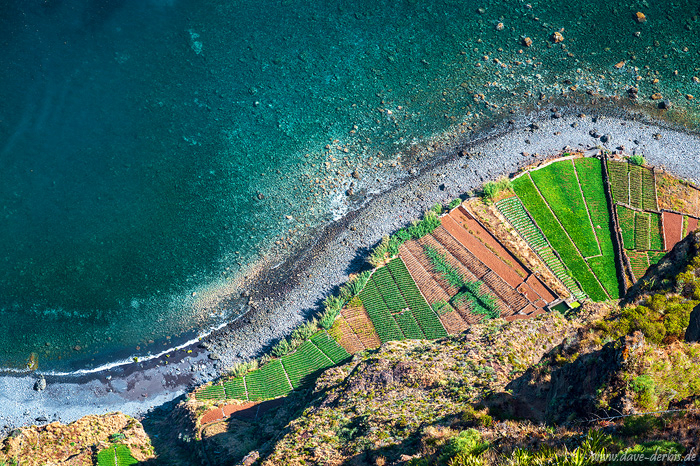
40 384
692 333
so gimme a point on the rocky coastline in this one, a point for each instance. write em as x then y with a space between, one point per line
279 296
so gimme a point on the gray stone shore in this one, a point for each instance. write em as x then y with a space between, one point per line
285 296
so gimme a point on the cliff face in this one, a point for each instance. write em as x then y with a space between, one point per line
76 443
495 393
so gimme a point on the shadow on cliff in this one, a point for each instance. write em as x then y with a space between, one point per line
565 387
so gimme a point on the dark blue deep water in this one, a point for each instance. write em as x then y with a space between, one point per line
150 150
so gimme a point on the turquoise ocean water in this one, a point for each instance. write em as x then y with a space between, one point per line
150 150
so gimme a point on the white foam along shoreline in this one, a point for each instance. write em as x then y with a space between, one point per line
123 362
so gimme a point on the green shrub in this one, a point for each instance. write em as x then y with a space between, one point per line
467 443
472 417
637 160
492 189
281 348
454 203
644 387
304 331
424 227
595 442
116 437
357 285
633 318
437 208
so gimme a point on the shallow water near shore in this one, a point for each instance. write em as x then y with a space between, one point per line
152 150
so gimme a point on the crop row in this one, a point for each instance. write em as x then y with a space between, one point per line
648 190
384 323
267 382
409 326
625 217
429 322
560 271
590 176
211 392
619 181
303 363
559 186
656 239
641 231
639 262
388 290
330 347
513 210
235 389
636 186
533 202
116 455
655 256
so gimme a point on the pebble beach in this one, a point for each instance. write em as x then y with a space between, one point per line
282 291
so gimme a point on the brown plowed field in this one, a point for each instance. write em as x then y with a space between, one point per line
429 240
360 323
483 253
429 287
213 415
417 250
515 300
692 224
462 216
500 228
347 337
528 310
453 322
460 252
450 259
231 409
673 228
539 288
529 293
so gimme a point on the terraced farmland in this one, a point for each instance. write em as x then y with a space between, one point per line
559 186
460 273
270 381
557 236
235 389
619 181
424 315
116 455
330 347
376 307
590 176
514 211
641 226
303 363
